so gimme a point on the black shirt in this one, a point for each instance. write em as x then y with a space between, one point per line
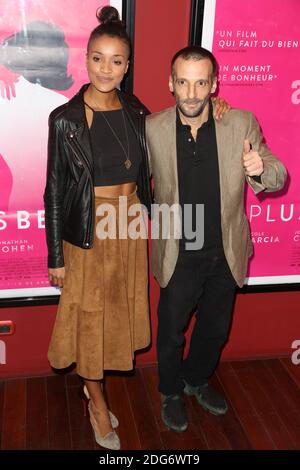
198 178
108 154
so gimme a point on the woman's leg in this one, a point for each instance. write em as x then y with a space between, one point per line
98 407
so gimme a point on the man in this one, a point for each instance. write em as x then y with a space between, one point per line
197 160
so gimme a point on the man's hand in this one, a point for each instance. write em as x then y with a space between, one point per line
252 162
221 107
56 276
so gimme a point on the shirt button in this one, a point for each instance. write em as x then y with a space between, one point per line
190 140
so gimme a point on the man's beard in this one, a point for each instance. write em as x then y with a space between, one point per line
195 112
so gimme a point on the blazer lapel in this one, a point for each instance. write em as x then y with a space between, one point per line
224 145
224 137
168 132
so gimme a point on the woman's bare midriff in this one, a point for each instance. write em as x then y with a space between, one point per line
115 190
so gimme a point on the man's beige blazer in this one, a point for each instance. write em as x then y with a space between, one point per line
231 131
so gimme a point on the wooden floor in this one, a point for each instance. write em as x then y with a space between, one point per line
264 411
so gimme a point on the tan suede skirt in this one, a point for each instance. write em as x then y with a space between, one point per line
103 313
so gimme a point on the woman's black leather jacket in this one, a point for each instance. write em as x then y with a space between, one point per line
69 192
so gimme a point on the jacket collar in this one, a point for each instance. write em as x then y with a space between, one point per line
224 135
75 108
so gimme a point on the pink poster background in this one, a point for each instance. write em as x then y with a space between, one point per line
24 111
257 45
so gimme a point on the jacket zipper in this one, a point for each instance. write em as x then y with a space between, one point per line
73 142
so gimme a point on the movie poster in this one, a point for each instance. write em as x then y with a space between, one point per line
42 64
257 45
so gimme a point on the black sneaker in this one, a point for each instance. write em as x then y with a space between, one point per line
173 413
208 398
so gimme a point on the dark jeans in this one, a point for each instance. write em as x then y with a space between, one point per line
201 279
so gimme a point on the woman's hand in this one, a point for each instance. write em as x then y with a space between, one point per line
56 276
221 107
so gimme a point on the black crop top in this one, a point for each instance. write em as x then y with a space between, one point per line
108 154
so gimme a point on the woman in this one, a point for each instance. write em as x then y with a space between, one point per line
96 154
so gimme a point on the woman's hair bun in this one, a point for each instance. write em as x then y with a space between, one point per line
108 14
111 25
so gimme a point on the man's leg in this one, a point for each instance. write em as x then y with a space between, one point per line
210 332
175 305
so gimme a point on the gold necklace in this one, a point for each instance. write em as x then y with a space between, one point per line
127 162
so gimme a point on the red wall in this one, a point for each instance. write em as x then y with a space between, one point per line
264 325
161 28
